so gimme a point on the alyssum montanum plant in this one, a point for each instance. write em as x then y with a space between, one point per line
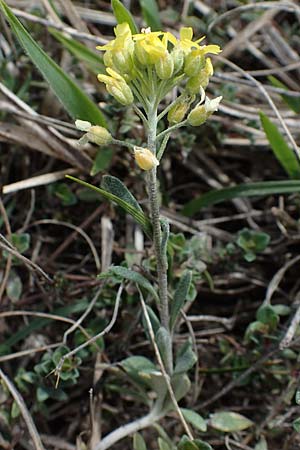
142 70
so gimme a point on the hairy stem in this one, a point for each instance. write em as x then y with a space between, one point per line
161 257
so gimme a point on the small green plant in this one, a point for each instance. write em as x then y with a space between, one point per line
252 242
142 69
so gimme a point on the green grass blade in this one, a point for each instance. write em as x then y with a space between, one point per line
292 102
91 59
243 190
123 15
151 14
78 105
139 216
281 150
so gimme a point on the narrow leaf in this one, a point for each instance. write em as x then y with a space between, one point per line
131 275
92 60
281 150
78 105
151 14
243 190
139 216
123 15
180 296
229 422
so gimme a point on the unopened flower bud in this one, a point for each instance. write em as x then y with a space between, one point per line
202 79
178 58
93 133
201 113
116 85
177 113
164 67
194 62
145 159
99 135
121 92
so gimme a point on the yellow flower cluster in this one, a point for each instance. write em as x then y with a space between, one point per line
148 65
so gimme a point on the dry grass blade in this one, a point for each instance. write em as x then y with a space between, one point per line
24 411
40 180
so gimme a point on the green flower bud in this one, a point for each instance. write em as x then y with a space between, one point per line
194 62
165 67
121 92
201 80
117 86
201 113
122 62
177 113
178 58
99 135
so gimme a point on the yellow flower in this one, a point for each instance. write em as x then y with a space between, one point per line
144 158
119 51
149 48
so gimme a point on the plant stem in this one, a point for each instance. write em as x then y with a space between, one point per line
161 257
125 431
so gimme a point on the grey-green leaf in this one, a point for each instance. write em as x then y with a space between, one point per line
194 419
163 445
164 343
185 359
131 275
137 214
229 422
123 15
281 150
180 296
76 102
139 442
117 187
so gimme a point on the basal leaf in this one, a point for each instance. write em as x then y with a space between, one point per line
139 442
281 150
185 359
261 188
76 102
139 216
123 15
229 422
194 418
